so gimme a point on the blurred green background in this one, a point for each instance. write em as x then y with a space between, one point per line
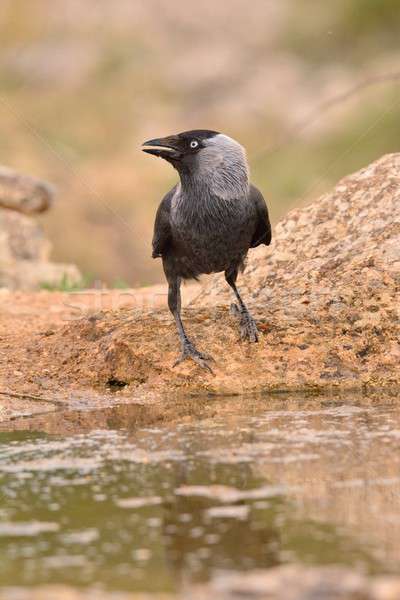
83 83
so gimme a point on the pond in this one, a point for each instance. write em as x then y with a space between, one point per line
90 498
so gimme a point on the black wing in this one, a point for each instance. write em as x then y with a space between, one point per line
162 226
262 233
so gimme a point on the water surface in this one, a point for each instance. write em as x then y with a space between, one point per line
90 498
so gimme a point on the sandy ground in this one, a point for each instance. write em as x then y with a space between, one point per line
26 319
97 348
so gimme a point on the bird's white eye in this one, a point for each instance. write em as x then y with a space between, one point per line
194 144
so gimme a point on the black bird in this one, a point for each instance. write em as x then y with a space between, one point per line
208 221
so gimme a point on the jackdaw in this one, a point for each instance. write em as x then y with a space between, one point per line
208 221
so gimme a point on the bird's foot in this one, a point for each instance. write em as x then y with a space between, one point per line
190 351
248 327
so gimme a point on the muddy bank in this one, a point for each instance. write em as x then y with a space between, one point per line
33 379
134 351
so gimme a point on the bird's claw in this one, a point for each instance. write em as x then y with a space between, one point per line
190 351
248 327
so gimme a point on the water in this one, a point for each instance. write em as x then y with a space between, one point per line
150 509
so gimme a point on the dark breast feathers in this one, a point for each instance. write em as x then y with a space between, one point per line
194 239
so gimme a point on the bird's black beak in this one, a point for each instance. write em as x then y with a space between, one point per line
167 148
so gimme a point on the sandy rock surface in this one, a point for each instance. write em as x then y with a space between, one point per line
41 367
325 296
329 286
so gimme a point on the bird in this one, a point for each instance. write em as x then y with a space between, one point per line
207 222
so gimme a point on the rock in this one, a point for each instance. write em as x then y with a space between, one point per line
21 238
24 249
329 286
35 274
23 193
325 296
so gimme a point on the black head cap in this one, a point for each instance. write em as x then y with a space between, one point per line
198 134
175 148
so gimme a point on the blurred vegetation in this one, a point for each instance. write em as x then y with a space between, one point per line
349 30
316 164
67 285
83 84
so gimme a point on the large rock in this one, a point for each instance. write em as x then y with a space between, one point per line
341 251
330 282
325 294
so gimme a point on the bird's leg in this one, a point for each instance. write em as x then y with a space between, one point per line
188 348
248 327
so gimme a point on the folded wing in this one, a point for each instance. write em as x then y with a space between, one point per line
262 233
162 226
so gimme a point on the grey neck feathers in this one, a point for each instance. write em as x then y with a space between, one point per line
220 171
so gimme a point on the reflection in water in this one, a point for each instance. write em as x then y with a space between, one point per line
151 509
